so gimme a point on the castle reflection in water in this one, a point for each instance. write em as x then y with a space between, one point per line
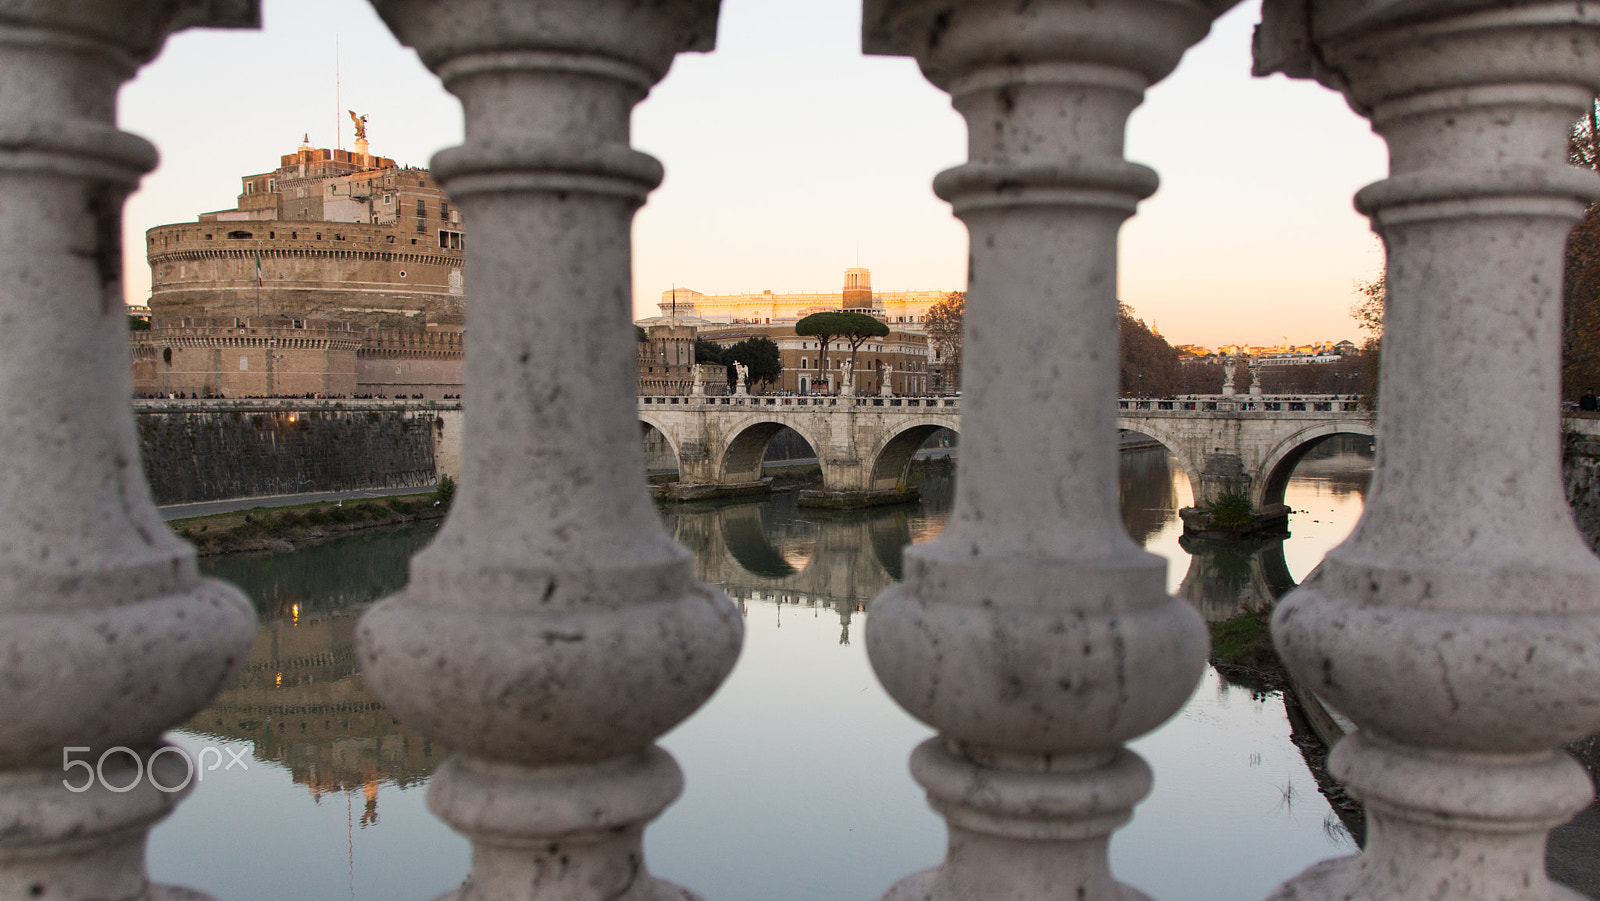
300 700
302 705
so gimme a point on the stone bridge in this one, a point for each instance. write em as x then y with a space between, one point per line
865 444
1236 443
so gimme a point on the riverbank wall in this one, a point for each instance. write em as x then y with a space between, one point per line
1580 470
215 450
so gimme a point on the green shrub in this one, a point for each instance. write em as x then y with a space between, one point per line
1231 509
445 491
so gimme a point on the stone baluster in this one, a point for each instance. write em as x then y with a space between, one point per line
552 631
1458 626
1034 634
108 635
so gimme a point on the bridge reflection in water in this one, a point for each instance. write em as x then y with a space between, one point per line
302 707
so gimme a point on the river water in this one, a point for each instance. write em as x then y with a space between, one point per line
797 787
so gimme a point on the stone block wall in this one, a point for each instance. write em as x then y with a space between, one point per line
391 375
197 456
1580 471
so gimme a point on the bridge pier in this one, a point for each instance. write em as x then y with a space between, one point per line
698 479
1226 507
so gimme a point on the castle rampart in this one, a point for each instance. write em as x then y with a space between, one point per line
371 274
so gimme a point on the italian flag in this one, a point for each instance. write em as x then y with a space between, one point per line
258 267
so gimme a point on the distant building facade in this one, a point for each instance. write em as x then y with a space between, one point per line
900 358
903 310
665 361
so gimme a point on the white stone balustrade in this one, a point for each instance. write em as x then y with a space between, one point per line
552 631
1033 634
1459 625
108 635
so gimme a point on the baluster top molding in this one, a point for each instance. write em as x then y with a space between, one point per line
948 38
138 26
444 32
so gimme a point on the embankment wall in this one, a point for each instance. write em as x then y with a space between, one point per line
213 452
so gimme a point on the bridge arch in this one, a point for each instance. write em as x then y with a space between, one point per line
674 441
1279 462
739 456
1177 444
890 460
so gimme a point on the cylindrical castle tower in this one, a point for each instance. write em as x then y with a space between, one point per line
372 275
329 234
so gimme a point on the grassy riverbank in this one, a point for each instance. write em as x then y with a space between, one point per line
282 528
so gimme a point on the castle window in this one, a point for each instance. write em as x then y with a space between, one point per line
389 238
338 237
421 226
402 273
319 236
272 185
444 209
239 235
272 234
422 209
208 237
388 200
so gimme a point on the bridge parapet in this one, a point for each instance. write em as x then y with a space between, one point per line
946 404
1271 403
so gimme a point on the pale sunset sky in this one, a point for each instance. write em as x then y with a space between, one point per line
790 156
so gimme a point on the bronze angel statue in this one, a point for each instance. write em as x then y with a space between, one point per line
361 125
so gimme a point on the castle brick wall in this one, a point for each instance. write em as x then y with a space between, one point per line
267 357
373 275
396 375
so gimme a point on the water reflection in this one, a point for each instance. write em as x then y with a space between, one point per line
300 701
1148 492
1227 578
773 732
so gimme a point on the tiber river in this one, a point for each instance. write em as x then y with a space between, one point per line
797 787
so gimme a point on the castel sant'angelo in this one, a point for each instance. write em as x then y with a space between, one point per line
338 273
